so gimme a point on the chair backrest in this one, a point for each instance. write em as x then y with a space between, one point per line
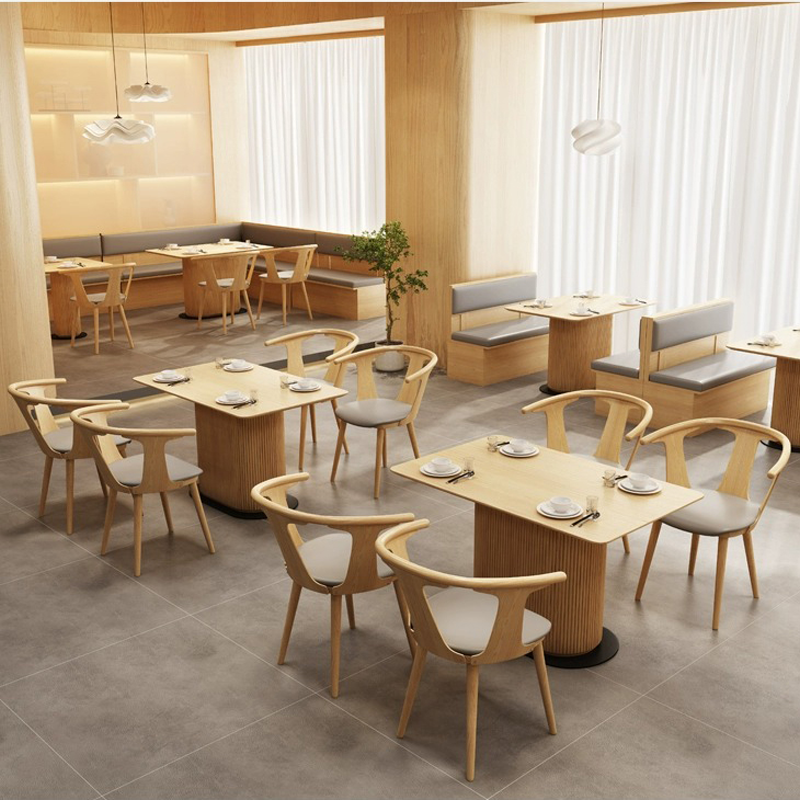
344 342
482 302
362 571
114 292
238 266
619 407
305 255
92 424
505 642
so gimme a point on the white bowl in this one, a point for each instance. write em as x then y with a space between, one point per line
224 241
305 383
640 480
561 504
232 394
238 363
441 464
50 259
171 246
519 445
168 374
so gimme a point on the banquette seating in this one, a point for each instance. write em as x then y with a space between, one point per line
683 369
489 344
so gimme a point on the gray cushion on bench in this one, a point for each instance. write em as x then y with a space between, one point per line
276 235
489 294
503 332
626 364
340 278
691 325
706 373
83 246
117 243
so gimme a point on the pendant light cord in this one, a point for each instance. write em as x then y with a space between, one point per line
144 45
114 58
600 66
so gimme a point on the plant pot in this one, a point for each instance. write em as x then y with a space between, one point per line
391 361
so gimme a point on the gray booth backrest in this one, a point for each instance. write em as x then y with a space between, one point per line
277 236
331 243
83 246
692 325
116 243
489 294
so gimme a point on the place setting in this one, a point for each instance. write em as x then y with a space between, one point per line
638 483
513 448
236 398
234 364
766 340
633 301
171 377
583 310
538 303
443 467
300 384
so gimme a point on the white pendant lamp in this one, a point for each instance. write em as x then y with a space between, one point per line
596 137
149 92
118 130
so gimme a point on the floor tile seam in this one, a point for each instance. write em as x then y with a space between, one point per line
417 489
598 674
43 571
343 678
239 596
47 744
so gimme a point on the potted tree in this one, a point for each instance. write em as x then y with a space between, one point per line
385 250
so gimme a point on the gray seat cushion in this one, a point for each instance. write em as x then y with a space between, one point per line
337 277
488 294
504 332
626 364
138 242
372 413
61 440
716 513
328 557
67 247
715 370
98 298
687 326
128 471
281 266
223 283
465 619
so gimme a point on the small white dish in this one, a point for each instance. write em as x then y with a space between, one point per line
224 241
529 453
431 471
547 510
68 265
170 377
225 400
311 386
50 259
232 368
245 247
191 251
585 313
626 486
629 301
172 246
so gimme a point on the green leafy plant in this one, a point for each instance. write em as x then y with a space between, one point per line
385 250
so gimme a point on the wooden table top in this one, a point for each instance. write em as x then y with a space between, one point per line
211 249
85 264
789 346
560 307
208 382
517 485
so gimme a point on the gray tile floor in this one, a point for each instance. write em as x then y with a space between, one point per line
166 686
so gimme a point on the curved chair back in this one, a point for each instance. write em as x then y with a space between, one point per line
236 266
114 295
92 422
344 342
362 572
305 255
505 641
609 448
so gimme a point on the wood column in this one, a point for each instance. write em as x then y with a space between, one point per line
462 105
25 348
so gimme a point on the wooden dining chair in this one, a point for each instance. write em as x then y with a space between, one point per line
228 277
56 442
279 273
370 411
609 448
111 300
344 342
472 621
722 514
337 564
153 471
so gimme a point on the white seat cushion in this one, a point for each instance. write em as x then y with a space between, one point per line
715 514
61 440
223 283
328 557
284 275
98 298
372 413
128 471
465 619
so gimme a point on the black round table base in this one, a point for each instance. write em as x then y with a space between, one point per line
777 446
545 389
606 650
58 336
184 315
235 512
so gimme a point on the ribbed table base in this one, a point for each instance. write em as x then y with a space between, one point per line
786 400
571 349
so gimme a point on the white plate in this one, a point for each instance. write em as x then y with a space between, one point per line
188 251
426 469
246 247
546 510
507 451
231 368
67 264
627 487
632 304
578 314
177 247
178 377
224 402
295 388
768 344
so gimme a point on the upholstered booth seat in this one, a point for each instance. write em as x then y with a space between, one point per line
61 440
340 278
466 618
128 471
714 515
626 364
715 370
503 332
327 558
372 413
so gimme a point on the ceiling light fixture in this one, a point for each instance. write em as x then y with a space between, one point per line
149 93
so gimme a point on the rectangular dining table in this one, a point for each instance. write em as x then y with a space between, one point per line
512 538
191 288
61 290
575 341
239 447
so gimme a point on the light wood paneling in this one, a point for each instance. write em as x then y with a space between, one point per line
483 366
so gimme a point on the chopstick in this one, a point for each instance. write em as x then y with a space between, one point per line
457 478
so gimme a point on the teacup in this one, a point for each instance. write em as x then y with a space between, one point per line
519 445
168 375
224 241
560 504
232 395
539 303
441 464
767 338
306 383
238 363
171 246
589 293
630 301
640 480
50 259
581 309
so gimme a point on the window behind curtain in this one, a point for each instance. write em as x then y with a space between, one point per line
317 134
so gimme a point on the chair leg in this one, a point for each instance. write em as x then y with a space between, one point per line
96 315
336 635
283 302
385 449
693 552
233 308
73 328
411 690
405 615
412 435
70 494
339 442
648 557
260 298
722 556
201 515
167 513
124 317
308 305
472 718
351 611
111 322
303 421
137 535
224 313
544 687
202 307
102 482
291 611
626 545
312 410
48 470
110 506
378 456
336 419
751 562
249 310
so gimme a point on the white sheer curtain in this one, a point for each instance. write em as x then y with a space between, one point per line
317 134
703 198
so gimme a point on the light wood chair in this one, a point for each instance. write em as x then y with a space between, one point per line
57 443
344 342
473 621
111 300
287 277
370 411
337 564
228 277
154 471
721 514
609 448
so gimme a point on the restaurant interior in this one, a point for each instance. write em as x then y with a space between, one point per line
483 318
